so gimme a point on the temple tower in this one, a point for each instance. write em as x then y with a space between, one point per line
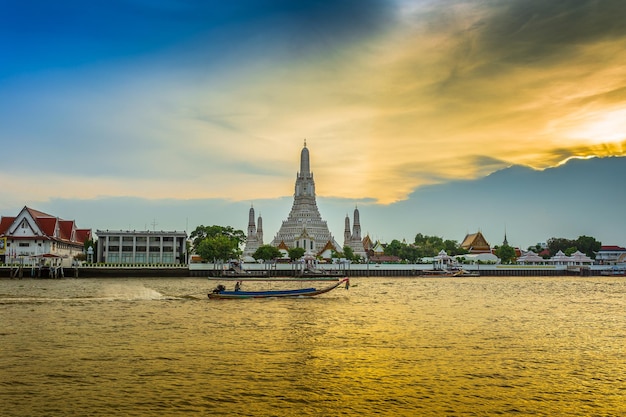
255 236
353 240
304 226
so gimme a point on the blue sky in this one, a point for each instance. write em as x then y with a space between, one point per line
203 107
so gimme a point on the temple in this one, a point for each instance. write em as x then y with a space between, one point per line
304 227
353 240
254 239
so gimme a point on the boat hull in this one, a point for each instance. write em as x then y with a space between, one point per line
302 292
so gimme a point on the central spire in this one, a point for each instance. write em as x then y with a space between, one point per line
304 162
304 226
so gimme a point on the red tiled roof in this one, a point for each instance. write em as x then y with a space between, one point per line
66 227
38 214
48 225
612 248
5 222
83 235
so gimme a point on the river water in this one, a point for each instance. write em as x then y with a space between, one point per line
387 346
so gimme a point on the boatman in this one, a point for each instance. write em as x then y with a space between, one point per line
238 286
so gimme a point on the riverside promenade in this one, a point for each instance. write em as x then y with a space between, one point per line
269 270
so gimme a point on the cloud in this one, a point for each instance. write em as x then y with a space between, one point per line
197 100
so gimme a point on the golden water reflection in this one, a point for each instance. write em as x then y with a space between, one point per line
456 347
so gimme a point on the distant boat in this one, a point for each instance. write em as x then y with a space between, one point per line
614 272
444 273
221 293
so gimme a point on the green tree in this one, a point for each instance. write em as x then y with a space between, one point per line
588 245
203 232
410 253
506 253
348 253
267 253
556 244
219 247
394 248
295 253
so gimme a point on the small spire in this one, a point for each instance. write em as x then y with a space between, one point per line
305 142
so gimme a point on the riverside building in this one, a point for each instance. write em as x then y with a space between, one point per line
38 237
141 247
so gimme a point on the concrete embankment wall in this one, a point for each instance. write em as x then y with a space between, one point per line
210 271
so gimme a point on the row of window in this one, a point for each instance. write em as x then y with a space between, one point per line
140 239
141 258
143 249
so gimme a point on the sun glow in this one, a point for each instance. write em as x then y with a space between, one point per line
602 127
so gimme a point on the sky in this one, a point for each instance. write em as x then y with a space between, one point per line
170 114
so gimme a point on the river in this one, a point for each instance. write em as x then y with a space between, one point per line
488 346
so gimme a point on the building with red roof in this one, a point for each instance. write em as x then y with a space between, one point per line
34 234
611 255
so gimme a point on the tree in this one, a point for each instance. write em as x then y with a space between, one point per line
203 232
348 253
219 247
506 253
267 253
410 253
556 244
394 248
295 253
588 245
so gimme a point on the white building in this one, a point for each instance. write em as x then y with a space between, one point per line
141 247
611 255
37 238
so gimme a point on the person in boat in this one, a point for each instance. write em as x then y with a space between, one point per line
219 289
238 286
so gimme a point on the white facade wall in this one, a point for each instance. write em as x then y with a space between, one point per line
141 247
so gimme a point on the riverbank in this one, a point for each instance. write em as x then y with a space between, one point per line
252 271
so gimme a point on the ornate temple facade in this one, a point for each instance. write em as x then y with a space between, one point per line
353 239
304 226
255 234
476 243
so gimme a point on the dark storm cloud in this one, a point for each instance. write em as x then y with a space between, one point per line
490 37
529 31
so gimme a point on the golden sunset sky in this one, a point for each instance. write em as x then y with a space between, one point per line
201 100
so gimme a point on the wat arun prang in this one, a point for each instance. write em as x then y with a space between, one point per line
304 227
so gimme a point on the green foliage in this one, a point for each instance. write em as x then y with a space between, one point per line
586 244
295 253
219 247
203 232
506 253
348 253
267 253
429 246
